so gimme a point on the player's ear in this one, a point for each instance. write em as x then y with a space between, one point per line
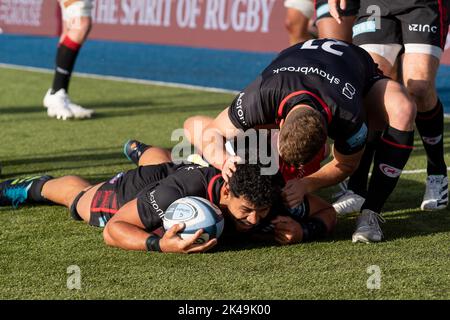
281 123
226 191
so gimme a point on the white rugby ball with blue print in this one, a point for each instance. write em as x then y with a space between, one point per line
196 213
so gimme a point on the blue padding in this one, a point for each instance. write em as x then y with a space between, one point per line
225 69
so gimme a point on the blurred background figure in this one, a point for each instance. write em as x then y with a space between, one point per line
298 17
77 23
340 29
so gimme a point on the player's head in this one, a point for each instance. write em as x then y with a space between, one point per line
249 195
302 136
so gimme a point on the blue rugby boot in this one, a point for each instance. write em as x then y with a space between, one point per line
134 149
17 191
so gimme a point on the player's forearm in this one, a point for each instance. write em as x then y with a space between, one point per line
125 236
329 175
214 150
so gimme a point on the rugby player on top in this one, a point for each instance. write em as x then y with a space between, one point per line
131 205
314 90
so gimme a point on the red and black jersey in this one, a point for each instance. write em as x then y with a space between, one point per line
329 75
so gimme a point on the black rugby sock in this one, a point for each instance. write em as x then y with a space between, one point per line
391 157
430 125
358 181
65 60
35 191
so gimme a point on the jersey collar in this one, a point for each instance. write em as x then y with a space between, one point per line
281 114
214 187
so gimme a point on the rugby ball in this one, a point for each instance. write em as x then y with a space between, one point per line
196 213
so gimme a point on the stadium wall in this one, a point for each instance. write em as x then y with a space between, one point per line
211 43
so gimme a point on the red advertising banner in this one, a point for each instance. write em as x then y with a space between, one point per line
252 25
35 17
256 25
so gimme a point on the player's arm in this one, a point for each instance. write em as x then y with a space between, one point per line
126 230
213 143
337 170
316 220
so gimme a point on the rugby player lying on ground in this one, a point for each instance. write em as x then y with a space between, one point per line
130 205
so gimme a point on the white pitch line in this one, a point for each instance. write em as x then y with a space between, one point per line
123 79
418 171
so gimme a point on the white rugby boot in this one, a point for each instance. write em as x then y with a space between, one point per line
59 98
57 106
368 228
436 193
349 202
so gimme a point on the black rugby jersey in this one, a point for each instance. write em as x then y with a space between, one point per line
187 180
329 75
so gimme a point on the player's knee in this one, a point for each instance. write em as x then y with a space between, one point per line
421 90
81 30
403 115
291 25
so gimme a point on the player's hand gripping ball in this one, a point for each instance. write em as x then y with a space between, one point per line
196 213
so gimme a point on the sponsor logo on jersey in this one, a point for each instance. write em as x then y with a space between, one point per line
239 108
390 171
364 27
432 140
309 70
155 205
358 138
415 27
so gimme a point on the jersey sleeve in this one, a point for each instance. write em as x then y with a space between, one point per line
153 201
247 109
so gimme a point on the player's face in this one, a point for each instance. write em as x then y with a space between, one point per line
245 214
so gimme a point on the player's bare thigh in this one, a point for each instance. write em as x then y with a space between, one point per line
388 103
419 74
84 204
329 28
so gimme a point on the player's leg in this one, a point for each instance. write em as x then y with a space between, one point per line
424 31
298 13
388 106
329 28
77 24
155 155
64 190
142 154
382 43
42 189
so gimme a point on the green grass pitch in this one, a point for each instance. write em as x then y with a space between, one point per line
38 244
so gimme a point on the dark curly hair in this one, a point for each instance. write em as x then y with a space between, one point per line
259 189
